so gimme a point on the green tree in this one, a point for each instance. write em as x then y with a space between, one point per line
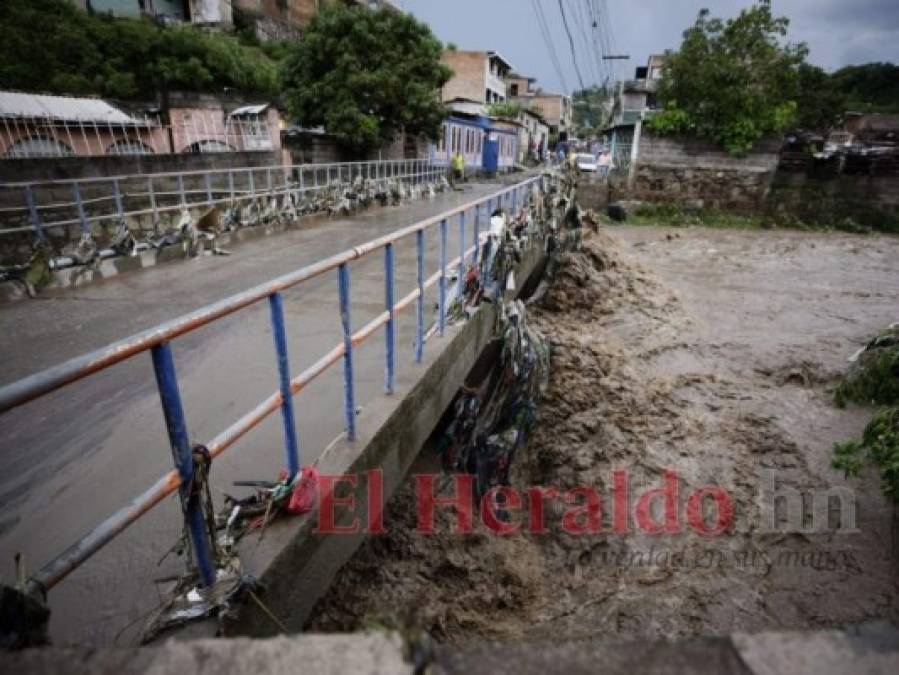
820 105
590 109
52 46
871 87
365 75
733 81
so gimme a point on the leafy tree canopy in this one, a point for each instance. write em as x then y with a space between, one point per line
820 104
52 46
733 81
872 87
590 110
365 75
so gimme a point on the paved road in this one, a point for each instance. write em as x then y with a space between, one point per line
75 456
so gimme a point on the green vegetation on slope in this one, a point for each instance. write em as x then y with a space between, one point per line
874 379
52 46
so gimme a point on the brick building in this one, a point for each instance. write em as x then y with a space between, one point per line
477 76
555 109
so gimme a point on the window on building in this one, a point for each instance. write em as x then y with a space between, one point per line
513 90
209 145
39 146
129 146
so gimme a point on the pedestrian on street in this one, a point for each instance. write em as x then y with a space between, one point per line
458 166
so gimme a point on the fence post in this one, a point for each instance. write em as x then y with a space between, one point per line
151 194
208 180
343 278
82 216
390 331
181 190
420 304
35 215
477 234
441 298
170 397
117 193
461 252
279 333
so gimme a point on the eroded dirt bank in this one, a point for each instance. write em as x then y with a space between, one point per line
706 353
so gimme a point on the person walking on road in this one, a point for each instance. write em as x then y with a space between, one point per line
458 166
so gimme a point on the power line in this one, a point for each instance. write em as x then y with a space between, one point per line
583 23
606 26
547 38
596 35
571 44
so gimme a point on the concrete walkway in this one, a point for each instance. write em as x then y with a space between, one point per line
73 457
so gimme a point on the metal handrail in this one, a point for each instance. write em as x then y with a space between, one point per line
157 340
201 172
417 170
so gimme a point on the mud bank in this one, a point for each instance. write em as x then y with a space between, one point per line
722 383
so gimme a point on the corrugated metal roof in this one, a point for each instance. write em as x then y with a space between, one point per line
17 104
249 110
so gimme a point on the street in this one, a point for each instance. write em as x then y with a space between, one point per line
75 456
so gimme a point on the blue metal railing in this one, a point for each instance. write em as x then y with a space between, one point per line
152 195
157 340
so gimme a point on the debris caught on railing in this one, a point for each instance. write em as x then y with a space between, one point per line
189 601
123 236
495 414
493 420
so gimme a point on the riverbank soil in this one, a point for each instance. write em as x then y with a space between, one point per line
689 357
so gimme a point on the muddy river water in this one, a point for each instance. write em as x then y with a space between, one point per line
706 355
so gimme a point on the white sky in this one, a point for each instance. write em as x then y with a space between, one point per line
838 32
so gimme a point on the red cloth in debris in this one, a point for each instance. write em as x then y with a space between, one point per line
302 500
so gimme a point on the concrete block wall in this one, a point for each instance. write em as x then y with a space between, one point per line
698 173
698 153
38 169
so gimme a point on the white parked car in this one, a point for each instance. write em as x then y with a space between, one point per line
586 162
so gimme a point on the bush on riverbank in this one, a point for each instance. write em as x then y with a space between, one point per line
874 379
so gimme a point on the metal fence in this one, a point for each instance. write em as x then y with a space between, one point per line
141 135
157 340
42 206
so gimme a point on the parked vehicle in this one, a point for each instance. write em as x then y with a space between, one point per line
586 162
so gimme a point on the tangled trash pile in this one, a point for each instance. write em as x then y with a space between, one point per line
197 235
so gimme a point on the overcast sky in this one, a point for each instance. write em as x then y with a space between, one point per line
838 32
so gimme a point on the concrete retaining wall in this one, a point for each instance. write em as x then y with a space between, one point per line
294 563
60 168
697 173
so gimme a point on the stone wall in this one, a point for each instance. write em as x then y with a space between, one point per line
698 174
39 169
846 201
695 174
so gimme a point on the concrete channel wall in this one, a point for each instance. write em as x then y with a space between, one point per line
294 564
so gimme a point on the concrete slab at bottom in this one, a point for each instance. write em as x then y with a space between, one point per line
871 649
361 653
704 656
